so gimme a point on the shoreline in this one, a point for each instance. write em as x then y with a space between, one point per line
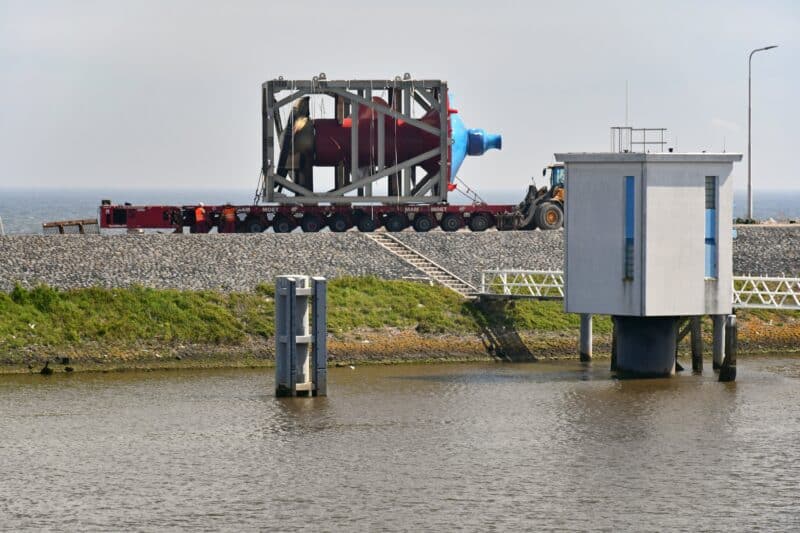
387 346
370 321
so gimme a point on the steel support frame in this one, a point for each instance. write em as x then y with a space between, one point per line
349 96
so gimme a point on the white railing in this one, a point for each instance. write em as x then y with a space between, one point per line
754 292
766 292
541 284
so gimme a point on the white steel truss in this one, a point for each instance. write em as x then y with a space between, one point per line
766 293
540 284
754 292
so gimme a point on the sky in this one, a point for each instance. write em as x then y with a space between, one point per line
166 94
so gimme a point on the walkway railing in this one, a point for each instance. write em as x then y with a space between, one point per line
753 292
766 292
540 284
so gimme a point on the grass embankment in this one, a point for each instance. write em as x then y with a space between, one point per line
369 320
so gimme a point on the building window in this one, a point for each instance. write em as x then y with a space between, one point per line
711 227
629 223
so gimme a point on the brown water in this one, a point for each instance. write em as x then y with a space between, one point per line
475 447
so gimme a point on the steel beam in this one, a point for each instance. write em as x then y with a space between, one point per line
383 173
354 172
291 98
268 155
394 114
444 142
292 186
408 174
323 85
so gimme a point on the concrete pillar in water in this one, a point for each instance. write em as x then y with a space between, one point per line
646 346
727 372
294 338
586 337
613 343
697 344
718 344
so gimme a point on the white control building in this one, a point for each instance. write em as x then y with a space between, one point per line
648 241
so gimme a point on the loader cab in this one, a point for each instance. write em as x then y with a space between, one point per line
556 175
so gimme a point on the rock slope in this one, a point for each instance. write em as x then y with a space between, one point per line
240 262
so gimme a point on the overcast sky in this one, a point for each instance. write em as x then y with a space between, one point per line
166 93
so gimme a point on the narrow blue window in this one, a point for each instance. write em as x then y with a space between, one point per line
629 223
711 227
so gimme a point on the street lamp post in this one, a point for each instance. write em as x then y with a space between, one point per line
749 113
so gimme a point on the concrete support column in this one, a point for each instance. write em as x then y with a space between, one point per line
718 344
586 337
697 344
613 343
646 346
727 371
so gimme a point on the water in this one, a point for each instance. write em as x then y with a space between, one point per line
477 447
23 210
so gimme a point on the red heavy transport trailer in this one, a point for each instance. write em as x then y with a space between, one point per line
337 218
393 148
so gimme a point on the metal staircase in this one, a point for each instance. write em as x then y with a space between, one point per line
432 270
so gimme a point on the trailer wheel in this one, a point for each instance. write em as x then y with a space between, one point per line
281 224
366 224
338 223
396 222
451 222
311 223
423 223
479 222
549 216
253 225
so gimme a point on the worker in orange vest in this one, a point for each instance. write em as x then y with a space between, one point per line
228 219
200 223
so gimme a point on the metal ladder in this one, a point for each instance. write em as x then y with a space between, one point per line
432 270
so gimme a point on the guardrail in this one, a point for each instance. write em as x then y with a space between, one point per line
540 284
749 292
61 227
757 292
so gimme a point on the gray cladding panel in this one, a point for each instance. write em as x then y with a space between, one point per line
596 245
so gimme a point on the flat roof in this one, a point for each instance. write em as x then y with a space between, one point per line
638 157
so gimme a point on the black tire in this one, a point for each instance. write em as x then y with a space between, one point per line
549 216
451 222
396 222
365 224
338 223
253 225
281 224
479 222
312 223
423 223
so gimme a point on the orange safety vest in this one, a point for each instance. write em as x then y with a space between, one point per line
229 214
199 214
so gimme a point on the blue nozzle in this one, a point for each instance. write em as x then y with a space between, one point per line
478 141
468 142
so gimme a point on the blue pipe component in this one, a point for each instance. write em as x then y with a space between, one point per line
473 142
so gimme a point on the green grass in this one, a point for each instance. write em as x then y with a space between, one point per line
49 317
43 316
